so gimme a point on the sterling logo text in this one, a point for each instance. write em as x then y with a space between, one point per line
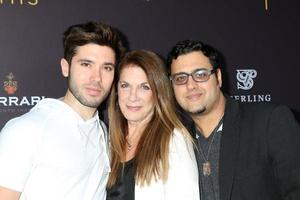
245 81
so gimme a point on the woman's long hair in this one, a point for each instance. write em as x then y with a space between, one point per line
152 152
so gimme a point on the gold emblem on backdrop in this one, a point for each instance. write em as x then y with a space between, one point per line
10 85
20 2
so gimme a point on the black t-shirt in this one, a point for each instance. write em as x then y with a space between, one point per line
124 187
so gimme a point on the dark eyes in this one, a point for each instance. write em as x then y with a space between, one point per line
180 78
105 67
85 64
108 68
124 85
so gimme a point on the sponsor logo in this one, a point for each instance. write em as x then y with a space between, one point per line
245 81
22 101
253 98
12 102
19 2
10 85
245 78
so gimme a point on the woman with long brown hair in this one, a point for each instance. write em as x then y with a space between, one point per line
152 153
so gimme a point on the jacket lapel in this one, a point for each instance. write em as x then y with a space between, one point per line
229 148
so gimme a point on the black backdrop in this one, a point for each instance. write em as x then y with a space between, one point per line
259 39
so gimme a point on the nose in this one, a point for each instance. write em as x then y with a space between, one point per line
191 84
97 75
133 94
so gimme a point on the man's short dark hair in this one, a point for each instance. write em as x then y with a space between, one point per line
91 33
188 46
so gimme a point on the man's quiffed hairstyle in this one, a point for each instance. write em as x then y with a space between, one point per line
91 33
188 46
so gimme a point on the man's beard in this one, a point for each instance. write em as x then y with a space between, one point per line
197 112
74 89
84 101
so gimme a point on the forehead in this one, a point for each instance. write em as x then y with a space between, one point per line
189 62
133 74
96 51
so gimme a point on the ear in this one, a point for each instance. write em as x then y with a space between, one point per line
219 77
64 67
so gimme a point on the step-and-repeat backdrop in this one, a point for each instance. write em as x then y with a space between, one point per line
259 40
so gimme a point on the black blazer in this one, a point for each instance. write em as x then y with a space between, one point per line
259 153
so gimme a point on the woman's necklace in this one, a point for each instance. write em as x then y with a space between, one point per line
133 138
130 141
129 144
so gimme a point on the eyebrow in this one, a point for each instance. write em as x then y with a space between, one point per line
143 83
85 60
109 63
90 61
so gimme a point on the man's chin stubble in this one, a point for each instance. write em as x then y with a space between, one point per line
197 112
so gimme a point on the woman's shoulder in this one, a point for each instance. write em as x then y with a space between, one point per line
178 135
179 143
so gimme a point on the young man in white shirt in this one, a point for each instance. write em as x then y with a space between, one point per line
58 149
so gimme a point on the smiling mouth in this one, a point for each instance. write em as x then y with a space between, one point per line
193 96
133 108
